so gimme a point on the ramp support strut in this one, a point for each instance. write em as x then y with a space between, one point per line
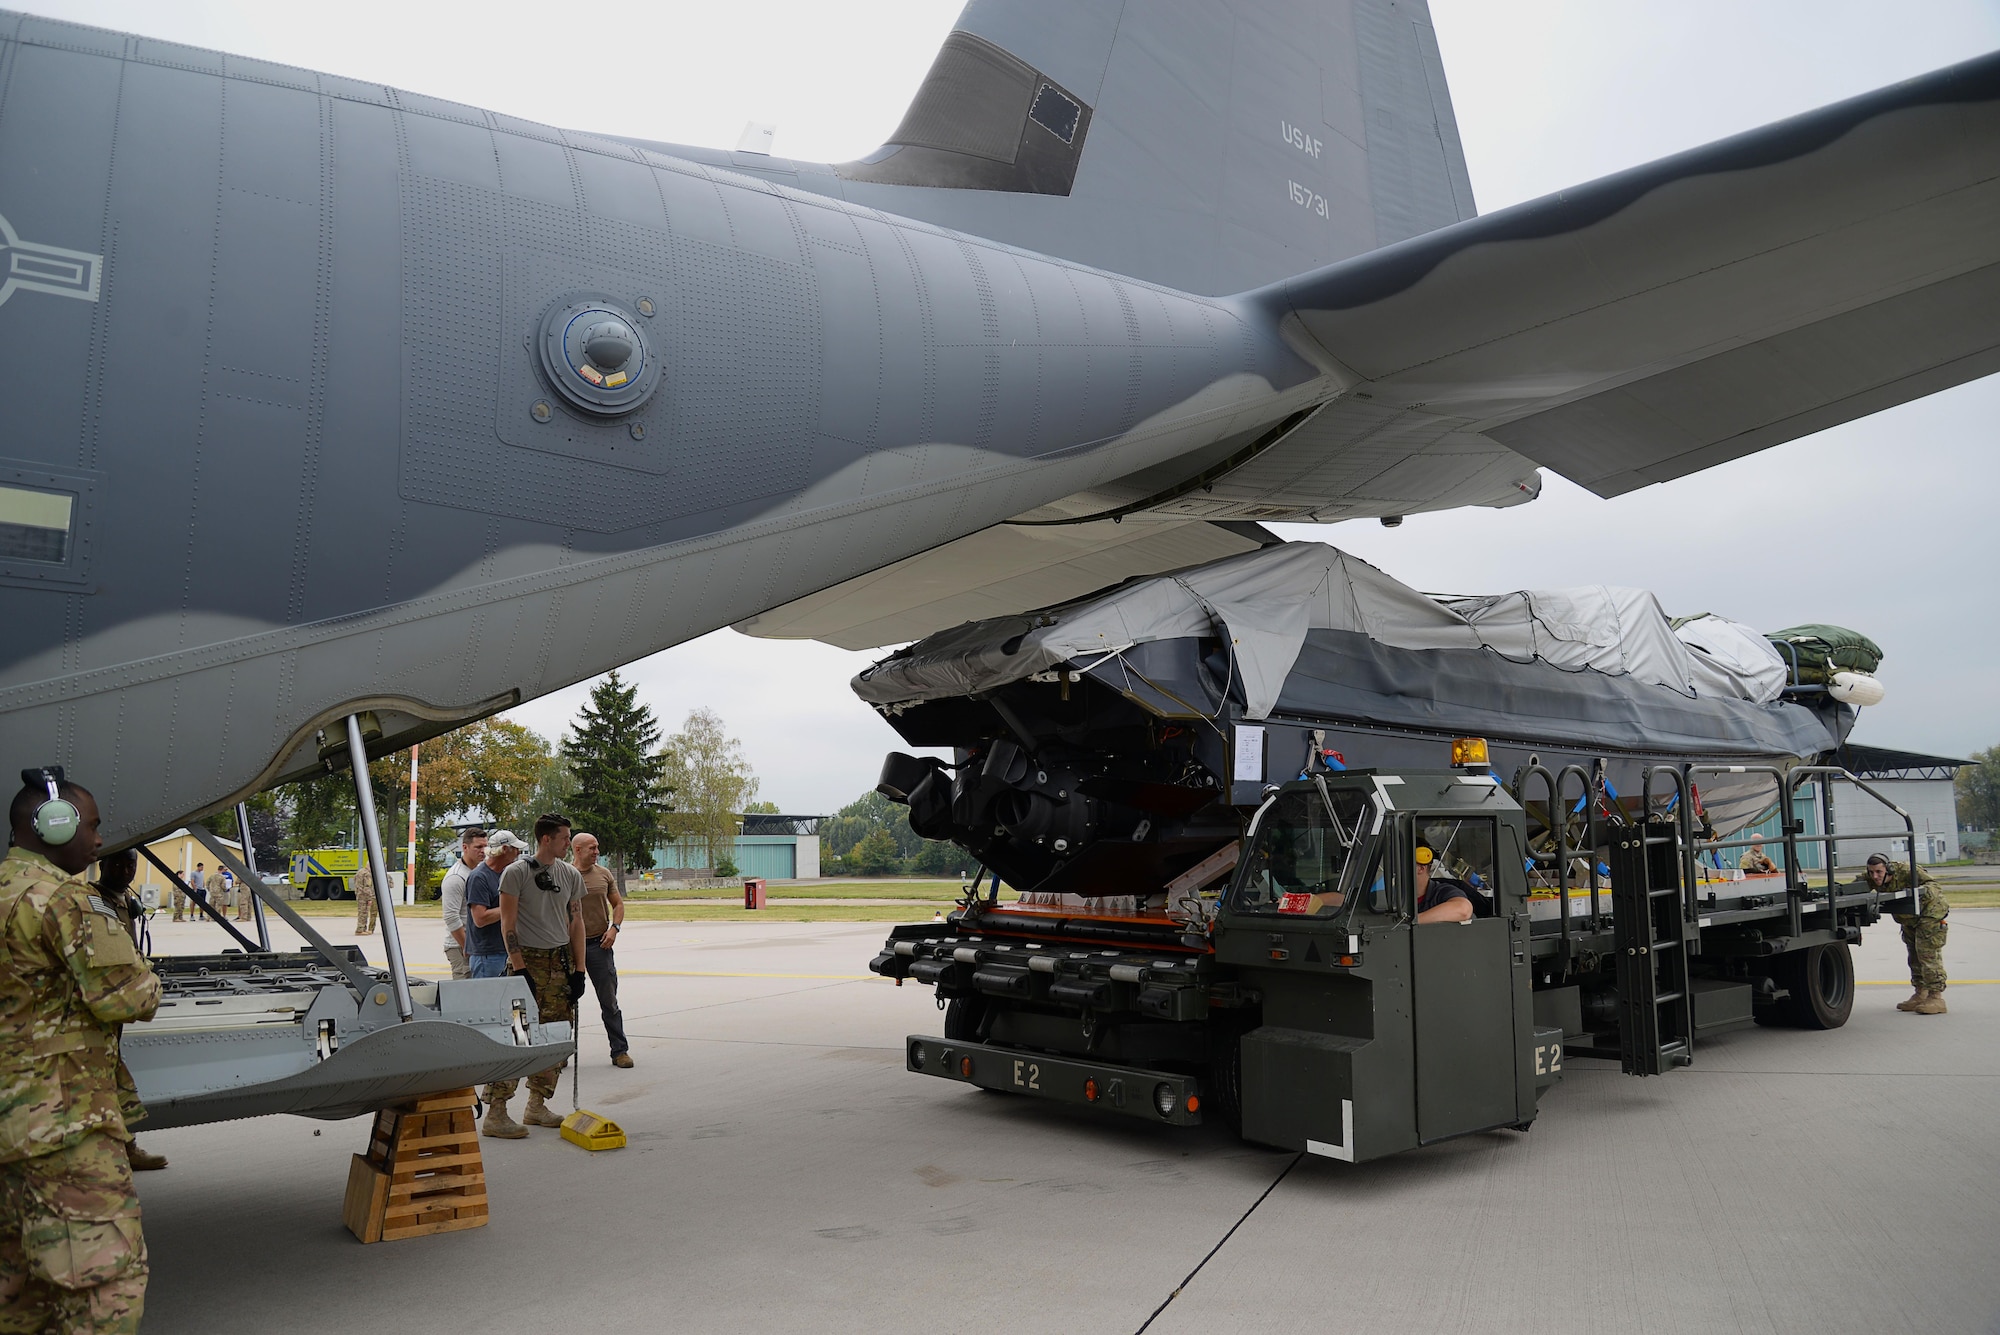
371 834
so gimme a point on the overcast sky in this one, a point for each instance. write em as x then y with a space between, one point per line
1887 524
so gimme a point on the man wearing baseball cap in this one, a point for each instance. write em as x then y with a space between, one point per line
486 948
485 945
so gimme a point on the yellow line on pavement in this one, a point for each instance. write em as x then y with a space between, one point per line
703 973
864 977
1904 982
689 973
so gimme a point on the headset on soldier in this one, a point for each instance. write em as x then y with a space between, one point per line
56 820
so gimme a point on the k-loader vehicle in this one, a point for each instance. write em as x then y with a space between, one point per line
1264 874
1313 1005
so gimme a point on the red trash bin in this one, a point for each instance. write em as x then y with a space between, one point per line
753 893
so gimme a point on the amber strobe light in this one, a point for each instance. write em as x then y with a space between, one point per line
1469 751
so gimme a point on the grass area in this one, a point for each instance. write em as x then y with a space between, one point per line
924 898
344 908
925 892
915 910
946 891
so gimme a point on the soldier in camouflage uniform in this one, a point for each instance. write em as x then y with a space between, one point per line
548 974
72 1257
364 899
1923 932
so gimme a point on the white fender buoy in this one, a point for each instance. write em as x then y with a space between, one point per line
1856 688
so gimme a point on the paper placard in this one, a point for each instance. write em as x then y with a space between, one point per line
1249 755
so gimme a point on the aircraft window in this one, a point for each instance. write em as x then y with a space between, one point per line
1300 861
35 525
1463 854
1056 113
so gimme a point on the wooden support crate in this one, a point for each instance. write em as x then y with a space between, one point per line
422 1173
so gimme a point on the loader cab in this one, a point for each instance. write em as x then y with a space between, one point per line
1313 852
1359 848
1383 1028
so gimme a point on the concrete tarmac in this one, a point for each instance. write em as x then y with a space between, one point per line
786 1174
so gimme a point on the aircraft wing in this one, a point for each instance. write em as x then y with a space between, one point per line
1681 314
996 571
1632 330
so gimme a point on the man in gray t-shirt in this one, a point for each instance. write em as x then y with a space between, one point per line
541 919
547 897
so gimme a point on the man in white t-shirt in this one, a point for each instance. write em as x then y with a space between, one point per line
471 852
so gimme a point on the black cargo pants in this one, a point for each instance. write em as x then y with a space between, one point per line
603 971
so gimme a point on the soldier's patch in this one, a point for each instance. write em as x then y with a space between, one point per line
102 907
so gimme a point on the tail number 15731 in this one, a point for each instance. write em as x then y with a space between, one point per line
1308 199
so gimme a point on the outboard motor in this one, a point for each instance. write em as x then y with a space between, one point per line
1035 817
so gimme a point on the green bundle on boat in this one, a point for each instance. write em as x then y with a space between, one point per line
1815 652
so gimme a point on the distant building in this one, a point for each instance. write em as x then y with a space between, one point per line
180 851
778 848
1919 784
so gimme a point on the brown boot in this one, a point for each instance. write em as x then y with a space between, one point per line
1932 1004
538 1114
500 1126
143 1161
1916 1000
623 1061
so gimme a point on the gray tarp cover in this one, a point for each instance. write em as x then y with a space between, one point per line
1343 676
1266 602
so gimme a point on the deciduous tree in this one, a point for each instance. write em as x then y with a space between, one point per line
712 783
875 855
1978 790
487 770
477 771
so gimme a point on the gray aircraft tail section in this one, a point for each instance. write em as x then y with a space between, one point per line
1208 147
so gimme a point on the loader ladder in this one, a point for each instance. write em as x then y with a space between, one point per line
1654 930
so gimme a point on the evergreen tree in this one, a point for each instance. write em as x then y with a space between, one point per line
613 754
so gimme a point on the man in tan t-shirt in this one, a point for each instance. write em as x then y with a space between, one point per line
603 915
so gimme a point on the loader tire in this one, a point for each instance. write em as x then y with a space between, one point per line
1820 983
1222 1083
963 1017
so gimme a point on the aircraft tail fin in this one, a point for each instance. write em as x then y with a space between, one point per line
1209 147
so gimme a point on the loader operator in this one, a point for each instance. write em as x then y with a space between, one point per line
1439 898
